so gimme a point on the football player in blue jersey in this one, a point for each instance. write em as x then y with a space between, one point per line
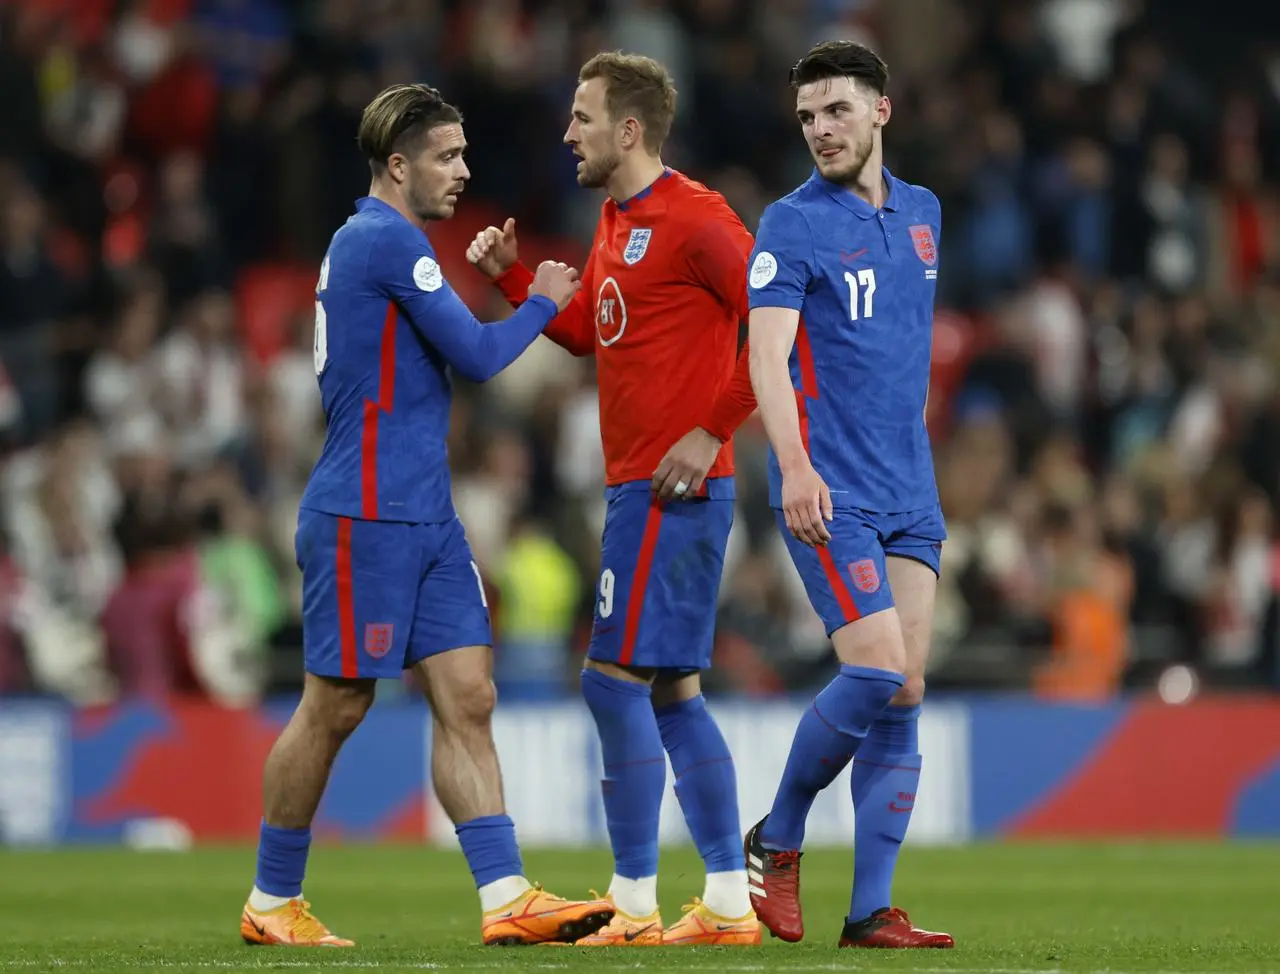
388 578
841 292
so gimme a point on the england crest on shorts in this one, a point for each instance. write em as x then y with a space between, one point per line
636 246
865 577
922 239
378 637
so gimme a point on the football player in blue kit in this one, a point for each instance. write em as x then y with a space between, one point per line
388 578
841 291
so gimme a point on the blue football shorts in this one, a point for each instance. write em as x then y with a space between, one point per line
845 580
660 577
378 596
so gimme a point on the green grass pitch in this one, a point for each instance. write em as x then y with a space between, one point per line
1013 908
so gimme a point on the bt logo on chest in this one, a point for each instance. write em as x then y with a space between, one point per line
611 312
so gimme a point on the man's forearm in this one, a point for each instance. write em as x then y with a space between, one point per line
776 399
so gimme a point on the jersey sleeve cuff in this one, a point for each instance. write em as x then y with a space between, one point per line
545 303
719 426
514 283
727 414
774 299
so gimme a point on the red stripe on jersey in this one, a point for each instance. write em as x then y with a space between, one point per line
803 412
369 432
346 601
844 598
387 378
804 356
369 462
639 581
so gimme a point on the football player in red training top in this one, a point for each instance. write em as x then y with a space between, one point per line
664 291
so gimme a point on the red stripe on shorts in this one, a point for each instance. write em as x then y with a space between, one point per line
346 601
844 597
639 581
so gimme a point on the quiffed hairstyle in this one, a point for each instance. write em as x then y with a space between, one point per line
841 59
398 118
636 86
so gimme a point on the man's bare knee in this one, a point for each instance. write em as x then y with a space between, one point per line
473 703
873 641
460 688
911 694
336 706
915 590
466 702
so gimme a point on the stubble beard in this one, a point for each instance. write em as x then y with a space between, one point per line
596 174
850 174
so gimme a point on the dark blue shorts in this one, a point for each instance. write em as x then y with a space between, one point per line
660 568
845 580
378 596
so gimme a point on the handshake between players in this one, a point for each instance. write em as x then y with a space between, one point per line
557 281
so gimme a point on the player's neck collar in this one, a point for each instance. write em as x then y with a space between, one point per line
667 171
854 203
367 202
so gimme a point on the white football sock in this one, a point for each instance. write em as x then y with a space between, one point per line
262 902
726 894
501 892
635 897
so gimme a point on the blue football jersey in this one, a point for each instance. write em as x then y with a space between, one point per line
863 281
388 330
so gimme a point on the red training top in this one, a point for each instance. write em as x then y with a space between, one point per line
663 292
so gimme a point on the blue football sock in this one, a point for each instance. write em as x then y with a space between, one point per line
884 782
489 843
705 782
826 740
282 860
635 769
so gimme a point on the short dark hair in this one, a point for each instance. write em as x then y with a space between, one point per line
398 117
841 59
636 85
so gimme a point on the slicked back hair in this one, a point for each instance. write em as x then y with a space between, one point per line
398 119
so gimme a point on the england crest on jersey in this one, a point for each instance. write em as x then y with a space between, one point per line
636 246
922 240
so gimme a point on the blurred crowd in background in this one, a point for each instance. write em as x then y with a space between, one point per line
1105 405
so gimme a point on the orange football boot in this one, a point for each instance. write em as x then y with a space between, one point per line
625 930
291 925
536 917
700 926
